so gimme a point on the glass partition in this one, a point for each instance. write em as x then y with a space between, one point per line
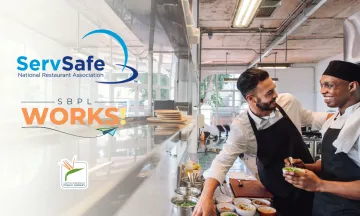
222 101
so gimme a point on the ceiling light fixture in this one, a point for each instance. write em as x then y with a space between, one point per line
272 66
246 12
275 67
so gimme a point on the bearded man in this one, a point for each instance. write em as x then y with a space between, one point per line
265 134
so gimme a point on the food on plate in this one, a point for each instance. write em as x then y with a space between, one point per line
245 209
244 206
293 169
225 208
267 211
258 202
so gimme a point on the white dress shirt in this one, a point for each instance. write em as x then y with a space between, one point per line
337 121
242 138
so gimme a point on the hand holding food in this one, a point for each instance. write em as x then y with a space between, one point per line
293 169
306 180
295 162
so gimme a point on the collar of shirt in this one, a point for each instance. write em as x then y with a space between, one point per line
351 109
259 120
339 120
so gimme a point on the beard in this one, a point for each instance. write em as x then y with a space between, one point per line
266 106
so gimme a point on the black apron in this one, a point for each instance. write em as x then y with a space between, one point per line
335 167
274 144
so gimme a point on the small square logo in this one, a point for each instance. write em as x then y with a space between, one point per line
73 175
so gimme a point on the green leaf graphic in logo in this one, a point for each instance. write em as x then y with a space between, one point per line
71 172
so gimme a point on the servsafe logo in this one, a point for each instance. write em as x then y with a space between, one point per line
49 68
73 175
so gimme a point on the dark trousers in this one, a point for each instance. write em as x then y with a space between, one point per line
300 203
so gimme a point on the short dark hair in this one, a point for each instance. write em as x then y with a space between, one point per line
249 79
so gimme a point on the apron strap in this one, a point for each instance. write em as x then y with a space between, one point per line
281 110
253 123
291 149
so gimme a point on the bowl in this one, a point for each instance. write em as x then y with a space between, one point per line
241 200
225 207
184 205
245 209
184 201
260 202
188 191
223 199
229 214
267 211
293 169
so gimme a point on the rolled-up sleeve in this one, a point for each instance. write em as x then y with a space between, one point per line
235 145
315 120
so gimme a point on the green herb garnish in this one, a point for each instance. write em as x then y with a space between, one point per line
293 169
186 204
230 214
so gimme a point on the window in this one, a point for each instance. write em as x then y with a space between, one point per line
222 101
164 76
134 95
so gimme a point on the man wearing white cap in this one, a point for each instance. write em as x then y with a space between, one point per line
338 185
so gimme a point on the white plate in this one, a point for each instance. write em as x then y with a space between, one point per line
223 199
241 200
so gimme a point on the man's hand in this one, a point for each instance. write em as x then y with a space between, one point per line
205 207
308 181
296 162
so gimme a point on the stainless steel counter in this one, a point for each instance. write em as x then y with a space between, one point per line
118 167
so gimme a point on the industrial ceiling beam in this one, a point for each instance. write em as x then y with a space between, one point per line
290 29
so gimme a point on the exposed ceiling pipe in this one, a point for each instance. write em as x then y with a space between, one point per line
276 31
223 65
298 10
300 20
231 48
244 30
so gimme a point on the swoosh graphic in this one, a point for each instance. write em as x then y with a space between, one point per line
116 37
135 74
63 132
71 172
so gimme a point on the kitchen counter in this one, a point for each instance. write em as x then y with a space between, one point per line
118 166
205 156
